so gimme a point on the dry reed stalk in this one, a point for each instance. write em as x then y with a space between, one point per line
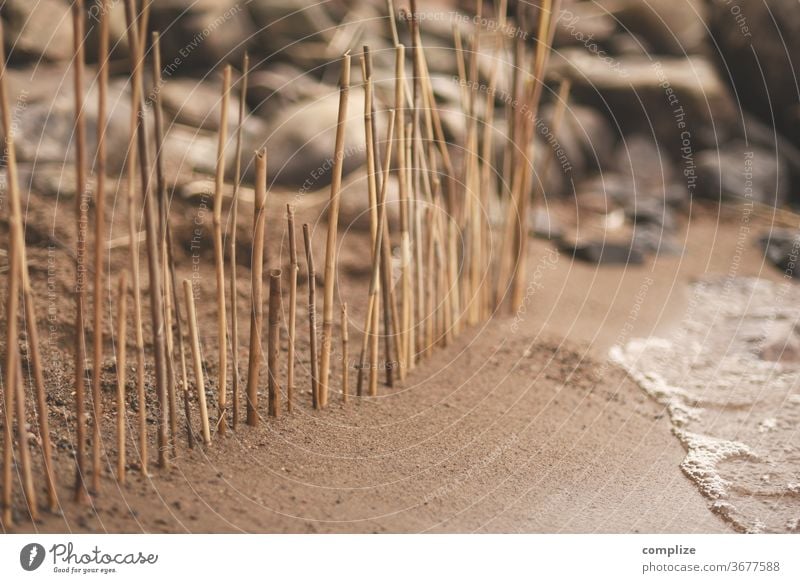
99 243
273 344
163 210
545 38
402 333
312 317
333 226
237 176
122 315
373 332
430 272
134 239
12 355
80 253
26 465
345 355
219 257
292 307
191 316
256 283
372 311
154 271
391 319
31 320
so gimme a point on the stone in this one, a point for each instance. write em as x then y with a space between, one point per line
280 85
604 253
676 27
738 171
750 33
198 103
780 344
201 34
669 98
782 248
34 30
301 139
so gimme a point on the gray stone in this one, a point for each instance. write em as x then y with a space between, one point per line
37 29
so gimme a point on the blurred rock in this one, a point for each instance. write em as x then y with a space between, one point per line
640 158
281 85
782 249
300 145
654 240
751 33
37 29
673 27
198 103
604 253
201 34
738 171
781 344
665 97
580 23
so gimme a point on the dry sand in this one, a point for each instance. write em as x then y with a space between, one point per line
521 425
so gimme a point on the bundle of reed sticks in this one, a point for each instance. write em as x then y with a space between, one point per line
446 280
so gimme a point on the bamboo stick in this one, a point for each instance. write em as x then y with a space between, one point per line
99 244
28 488
376 251
545 38
237 175
391 320
273 343
30 310
219 257
154 271
191 314
333 225
312 317
256 283
345 355
405 241
80 253
373 332
122 315
163 216
292 308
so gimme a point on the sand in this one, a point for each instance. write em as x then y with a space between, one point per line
521 425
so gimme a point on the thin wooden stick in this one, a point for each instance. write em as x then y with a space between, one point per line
389 301
154 271
191 314
99 244
80 254
372 333
312 317
232 241
545 41
273 343
22 441
405 241
345 355
30 310
376 251
219 257
122 315
333 226
163 219
292 307
256 284
133 242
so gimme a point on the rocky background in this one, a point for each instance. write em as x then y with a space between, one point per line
672 100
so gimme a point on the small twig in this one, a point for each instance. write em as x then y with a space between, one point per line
122 314
345 355
292 307
273 343
198 359
256 282
312 317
